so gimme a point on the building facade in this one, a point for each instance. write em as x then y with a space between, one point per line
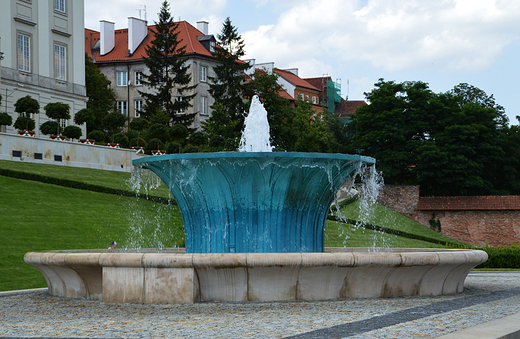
43 56
119 55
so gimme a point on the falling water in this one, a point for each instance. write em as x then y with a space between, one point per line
256 134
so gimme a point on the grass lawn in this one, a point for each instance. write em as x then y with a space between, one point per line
111 179
37 217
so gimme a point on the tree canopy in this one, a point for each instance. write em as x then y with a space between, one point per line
101 98
449 143
168 76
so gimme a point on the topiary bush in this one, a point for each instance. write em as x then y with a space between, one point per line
190 149
153 145
173 148
97 135
133 142
121 139
159 131
5 119
22 123
72 132
50 127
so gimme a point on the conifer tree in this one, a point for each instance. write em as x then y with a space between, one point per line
227 86
169 78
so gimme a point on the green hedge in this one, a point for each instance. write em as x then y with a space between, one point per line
501 256
80 185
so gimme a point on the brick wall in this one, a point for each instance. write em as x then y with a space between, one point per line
494 220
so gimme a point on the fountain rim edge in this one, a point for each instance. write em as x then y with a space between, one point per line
226 155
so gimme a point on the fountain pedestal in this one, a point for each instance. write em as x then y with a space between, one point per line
176 277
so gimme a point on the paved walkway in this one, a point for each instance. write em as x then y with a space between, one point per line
488 296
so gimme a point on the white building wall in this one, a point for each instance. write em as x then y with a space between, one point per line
45 26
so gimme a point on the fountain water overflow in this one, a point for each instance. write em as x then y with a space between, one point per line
254 227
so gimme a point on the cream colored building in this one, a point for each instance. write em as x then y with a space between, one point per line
119 55
42 42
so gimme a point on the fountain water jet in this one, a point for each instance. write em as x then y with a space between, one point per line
254 224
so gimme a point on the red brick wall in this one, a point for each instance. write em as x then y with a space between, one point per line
400 198
494 220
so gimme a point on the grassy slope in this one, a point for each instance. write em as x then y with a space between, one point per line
111 179
37 216
387 218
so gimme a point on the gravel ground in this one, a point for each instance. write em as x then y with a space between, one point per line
487 296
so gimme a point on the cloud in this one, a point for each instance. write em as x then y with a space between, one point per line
118 11
451 35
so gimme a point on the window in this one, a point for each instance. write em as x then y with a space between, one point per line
181 110
203 70
24 52
138 106
60 62
63 123
59 5
122 79
138 78
315 100
204 105
299 96
121 107
212 46
306 98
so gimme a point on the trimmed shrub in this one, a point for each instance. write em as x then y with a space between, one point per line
23 123
198 139
121 139
5 119
173 148
159 131
179 133
154 144
72 132
133 142
190 149
49 127
97 135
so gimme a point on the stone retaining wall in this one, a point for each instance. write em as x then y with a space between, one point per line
476 220
65 153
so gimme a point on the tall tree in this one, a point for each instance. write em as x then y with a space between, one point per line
227 87
168 77
57 111
25 107
101 97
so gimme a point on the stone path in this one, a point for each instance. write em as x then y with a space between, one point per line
488 296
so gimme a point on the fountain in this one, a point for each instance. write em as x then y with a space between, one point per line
254 226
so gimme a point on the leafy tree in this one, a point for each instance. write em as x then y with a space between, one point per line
179 133
25 107
97 135
197 139
227 86
139 125
101 97
72 132
5 119
85 116
159 131
113 122
50 127
168 78
444 142
57 111
280 113
468 93
312 135
221 129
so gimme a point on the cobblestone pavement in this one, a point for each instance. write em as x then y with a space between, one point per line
487 296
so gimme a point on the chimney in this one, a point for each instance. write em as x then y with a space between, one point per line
266 66
137 31
203 27
293 71
107 39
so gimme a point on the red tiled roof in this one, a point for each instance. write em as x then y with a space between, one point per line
294 79
510 202
187 34
348 107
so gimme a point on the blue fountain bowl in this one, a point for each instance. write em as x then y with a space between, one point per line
254 202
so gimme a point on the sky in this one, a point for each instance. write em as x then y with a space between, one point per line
356 42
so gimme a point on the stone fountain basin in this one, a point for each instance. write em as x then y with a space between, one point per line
172 276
